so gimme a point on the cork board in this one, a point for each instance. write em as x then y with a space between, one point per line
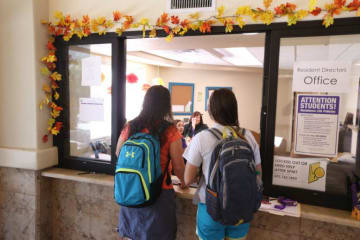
182 97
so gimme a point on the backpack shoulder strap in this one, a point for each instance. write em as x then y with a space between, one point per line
217 134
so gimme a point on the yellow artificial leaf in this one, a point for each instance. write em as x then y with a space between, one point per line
101 20
55 113
267 17
240 22
103 32
144 21
109 24
292 19
41 105
54 131
58 15
184 30
228 25
312 5
221 20
45 71
267 3
194 26
44 22
119 31
46 88
56 76
358 12
328 20
152 33
56 95
220 11
176 30
135 25
195 15
301 14
51 58
169 37
245 10
51 122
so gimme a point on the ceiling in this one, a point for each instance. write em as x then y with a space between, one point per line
236 52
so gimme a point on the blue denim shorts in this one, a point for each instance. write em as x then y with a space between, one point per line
208 229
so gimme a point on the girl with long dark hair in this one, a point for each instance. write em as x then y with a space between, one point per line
157 221
195 125
224 111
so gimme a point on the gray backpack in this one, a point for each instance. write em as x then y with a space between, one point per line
233 192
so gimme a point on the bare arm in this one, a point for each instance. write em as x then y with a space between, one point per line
176 152
259 169
191 172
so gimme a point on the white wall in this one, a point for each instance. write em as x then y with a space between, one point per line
152 9
22 44
246 86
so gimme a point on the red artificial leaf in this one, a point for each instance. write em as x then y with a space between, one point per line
354 5
117 16
175 20
58 125
205 27
166 29
51 66
129 20
279 10
45 138
339 3
316 11
51 46
59 31
132 78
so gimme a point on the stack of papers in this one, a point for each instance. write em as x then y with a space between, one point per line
293 211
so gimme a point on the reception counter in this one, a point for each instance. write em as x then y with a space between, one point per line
81 204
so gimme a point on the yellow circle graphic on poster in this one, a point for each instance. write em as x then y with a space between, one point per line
319 172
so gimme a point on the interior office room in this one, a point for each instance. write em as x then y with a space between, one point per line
62 186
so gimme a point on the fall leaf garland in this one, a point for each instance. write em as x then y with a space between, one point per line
173 26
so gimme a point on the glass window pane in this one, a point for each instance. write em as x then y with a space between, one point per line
317 113
90 101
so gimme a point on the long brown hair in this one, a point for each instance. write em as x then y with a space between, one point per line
155 113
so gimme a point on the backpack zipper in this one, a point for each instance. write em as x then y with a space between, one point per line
148 157
143 184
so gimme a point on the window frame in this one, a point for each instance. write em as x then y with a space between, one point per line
344 27
118 67
273 32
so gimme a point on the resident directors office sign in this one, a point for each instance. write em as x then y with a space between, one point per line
321 76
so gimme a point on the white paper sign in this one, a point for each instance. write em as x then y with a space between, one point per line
317 123
321 76
178 108
91 109
91 71
305 173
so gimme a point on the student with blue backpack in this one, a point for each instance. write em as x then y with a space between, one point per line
230 190
148 149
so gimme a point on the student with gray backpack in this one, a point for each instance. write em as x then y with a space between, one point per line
230 190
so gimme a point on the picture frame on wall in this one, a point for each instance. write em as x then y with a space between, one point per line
209 91
182 98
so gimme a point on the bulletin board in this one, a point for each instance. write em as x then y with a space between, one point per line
182 98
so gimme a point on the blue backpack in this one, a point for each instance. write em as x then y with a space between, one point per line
138 176
233 191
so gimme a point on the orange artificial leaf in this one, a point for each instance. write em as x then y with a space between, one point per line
290 6
85 20
166 29
205 27
43 22
152 33
185 23
163 19
117 16
46 88
267 3
128 21
54 86
316 11
175 20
